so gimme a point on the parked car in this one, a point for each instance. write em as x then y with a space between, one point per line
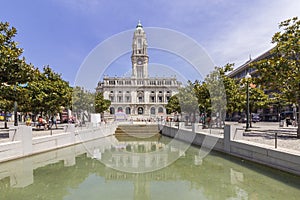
235 118
242 120
255 117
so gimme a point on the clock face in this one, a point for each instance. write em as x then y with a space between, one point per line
139 62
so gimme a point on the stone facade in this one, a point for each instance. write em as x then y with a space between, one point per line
139 96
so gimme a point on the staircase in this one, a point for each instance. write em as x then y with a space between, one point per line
137 133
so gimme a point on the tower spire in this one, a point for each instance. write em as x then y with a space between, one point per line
139 24
139 57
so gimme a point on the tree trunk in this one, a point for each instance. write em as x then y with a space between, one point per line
250 119
298 129
5 120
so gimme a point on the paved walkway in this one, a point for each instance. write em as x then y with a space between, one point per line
264 133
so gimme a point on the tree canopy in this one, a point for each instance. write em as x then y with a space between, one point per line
101 104
33 90
281 72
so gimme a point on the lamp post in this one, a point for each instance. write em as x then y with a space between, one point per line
294 113
91 111
247 77
177 120
16 103
15 109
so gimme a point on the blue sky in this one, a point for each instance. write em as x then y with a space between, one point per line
62 33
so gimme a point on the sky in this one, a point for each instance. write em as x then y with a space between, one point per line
62 33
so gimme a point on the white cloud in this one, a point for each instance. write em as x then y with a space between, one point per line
229 30
251 31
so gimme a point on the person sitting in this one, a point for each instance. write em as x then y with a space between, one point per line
42 122
28 121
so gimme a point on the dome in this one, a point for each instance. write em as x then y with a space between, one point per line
139 25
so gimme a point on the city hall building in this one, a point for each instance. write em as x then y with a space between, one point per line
139 96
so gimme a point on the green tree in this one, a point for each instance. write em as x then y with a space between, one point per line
257 99
217 91
101 104
257 96
82 102
173 105
202 94
57 91
188 100
13 69
281 72
47 93
234 95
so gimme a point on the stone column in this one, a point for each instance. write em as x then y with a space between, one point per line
24 134
228 136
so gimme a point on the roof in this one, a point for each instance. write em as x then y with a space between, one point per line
246 64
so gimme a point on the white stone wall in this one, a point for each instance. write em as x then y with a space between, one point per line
281 159
22 144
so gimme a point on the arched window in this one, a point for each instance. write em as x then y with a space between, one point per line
140 110
152 111
120 109
128 111
112 110
140 97
160 110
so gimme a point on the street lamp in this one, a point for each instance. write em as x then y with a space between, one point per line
16 103
294 113
15 109
247 77
91 111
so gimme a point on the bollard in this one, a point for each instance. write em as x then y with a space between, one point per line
275 140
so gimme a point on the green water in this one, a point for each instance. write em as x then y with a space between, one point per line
72 173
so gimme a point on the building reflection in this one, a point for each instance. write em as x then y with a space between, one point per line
52 174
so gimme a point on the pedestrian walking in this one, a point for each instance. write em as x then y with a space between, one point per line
54 121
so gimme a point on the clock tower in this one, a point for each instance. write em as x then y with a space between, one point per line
139 57
139 96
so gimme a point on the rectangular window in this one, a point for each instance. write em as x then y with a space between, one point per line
120 99
152 99
160 99
140 99
139 45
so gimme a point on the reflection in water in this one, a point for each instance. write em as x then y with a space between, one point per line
75 173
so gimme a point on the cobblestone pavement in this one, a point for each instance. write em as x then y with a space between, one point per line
264 133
